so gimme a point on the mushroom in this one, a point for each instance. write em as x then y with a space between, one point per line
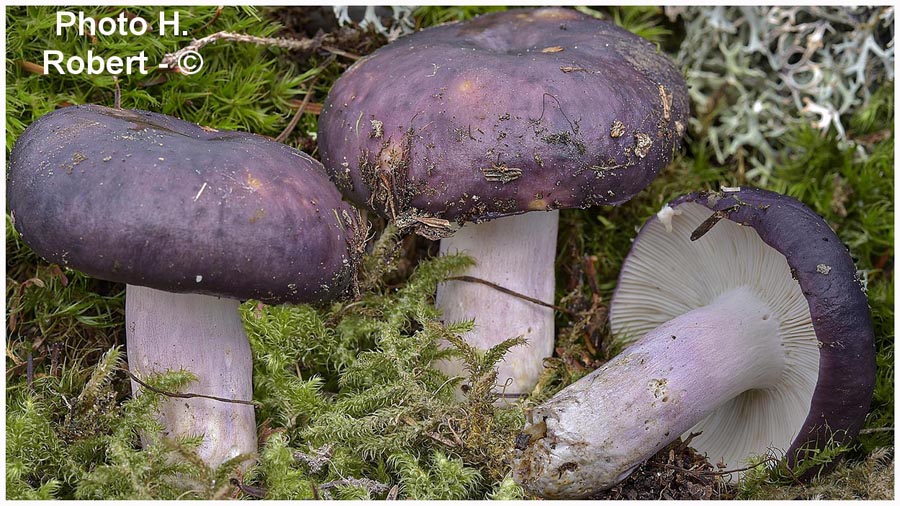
494 119
192 219
754 331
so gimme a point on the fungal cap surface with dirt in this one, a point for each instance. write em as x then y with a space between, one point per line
705 244
517 111
147 199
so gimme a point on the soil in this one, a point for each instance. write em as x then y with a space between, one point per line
307 22
676 472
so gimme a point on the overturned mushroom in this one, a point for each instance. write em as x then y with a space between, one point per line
509 113
753 331
192 219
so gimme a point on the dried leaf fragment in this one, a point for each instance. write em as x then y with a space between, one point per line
642 144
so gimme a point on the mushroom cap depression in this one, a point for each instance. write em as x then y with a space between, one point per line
147 199
523 110
705 244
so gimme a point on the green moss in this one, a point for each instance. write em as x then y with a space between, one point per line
507 490
435 15
381 414
68 436
350 403
442 478
871 478
241 86
643 20
278 469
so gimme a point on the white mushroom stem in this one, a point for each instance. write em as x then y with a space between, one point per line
204 335
592 434
517 253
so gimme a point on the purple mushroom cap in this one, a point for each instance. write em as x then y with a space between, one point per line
837 304
528 109
151 200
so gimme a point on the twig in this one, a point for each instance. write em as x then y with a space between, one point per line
393 493
739 470
15 370
117 95
314 108
876 429
296 119
697 476
189 395
315 462
291 44
873 137
441 439
257 492
710 222
210 22
472 279
29 371
793 474
590 272
694 474
341 52
30 67
54 360
687 441
455 435
513 396
132 16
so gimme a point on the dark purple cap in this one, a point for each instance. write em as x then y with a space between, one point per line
151 200
529 109
838 306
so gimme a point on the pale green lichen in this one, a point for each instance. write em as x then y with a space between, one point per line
755 72
392 25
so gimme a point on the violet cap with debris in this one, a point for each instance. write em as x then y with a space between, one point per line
192 219
492 119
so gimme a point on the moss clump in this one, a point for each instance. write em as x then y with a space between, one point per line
351 392
241 87
68 436
434 15
346 392
870 478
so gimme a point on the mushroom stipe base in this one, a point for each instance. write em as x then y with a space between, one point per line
204 335
756 334
591 435
518 253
